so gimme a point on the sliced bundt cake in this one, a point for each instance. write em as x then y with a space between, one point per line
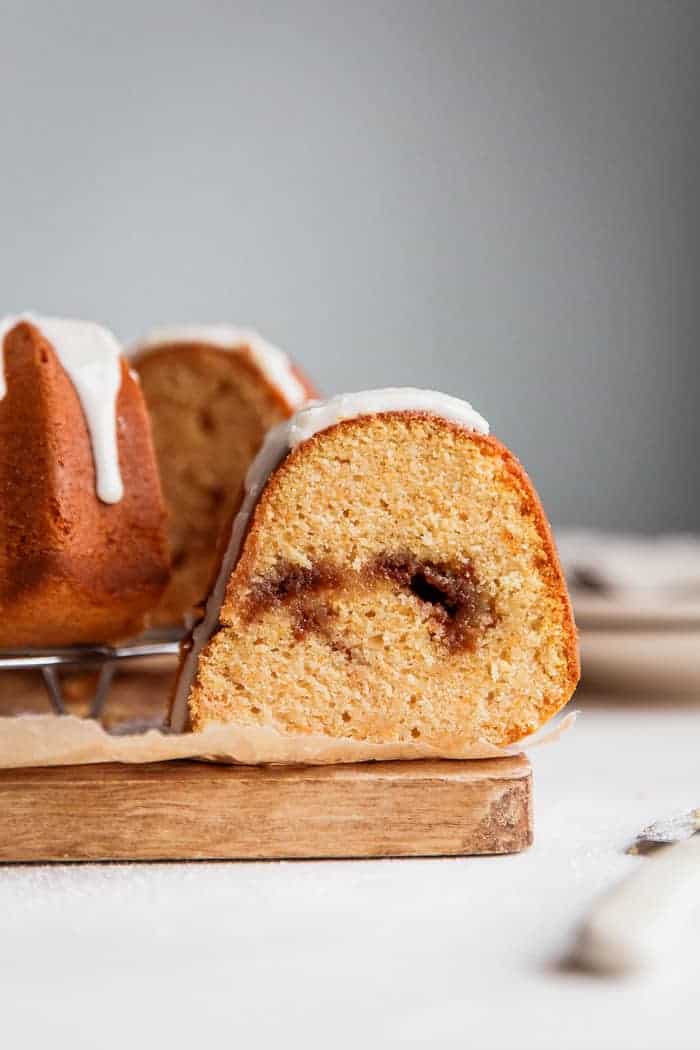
212 393
83 549
391 579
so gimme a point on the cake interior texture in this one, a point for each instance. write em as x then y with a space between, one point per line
210 409
398 583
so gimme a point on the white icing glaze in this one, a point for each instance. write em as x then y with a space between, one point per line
320 415
272 362
317 416
91 358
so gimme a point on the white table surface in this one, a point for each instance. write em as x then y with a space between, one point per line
449 952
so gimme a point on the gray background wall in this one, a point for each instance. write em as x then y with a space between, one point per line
497 199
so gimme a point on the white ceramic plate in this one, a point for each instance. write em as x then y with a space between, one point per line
663 662
643 610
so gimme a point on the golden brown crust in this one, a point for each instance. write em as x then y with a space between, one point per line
552 566
72 569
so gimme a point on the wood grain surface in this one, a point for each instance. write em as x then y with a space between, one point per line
197 811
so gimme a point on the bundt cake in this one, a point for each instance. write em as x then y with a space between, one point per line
212 393
390 580
83 548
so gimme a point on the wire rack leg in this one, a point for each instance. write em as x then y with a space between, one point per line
53 688
101 692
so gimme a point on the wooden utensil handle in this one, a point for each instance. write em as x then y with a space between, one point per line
643 917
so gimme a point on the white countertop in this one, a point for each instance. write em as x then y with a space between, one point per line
367 953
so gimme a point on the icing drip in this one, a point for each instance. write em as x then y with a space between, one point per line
272 362
279 442
91 357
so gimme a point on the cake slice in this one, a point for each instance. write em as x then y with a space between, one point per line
390 580
83 549
213 392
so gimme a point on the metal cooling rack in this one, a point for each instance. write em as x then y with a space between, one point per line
106 658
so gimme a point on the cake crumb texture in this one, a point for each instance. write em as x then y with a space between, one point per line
398 583
210 409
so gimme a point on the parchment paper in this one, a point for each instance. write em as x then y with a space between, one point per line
57 740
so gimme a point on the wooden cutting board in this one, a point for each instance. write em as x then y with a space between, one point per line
199 811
